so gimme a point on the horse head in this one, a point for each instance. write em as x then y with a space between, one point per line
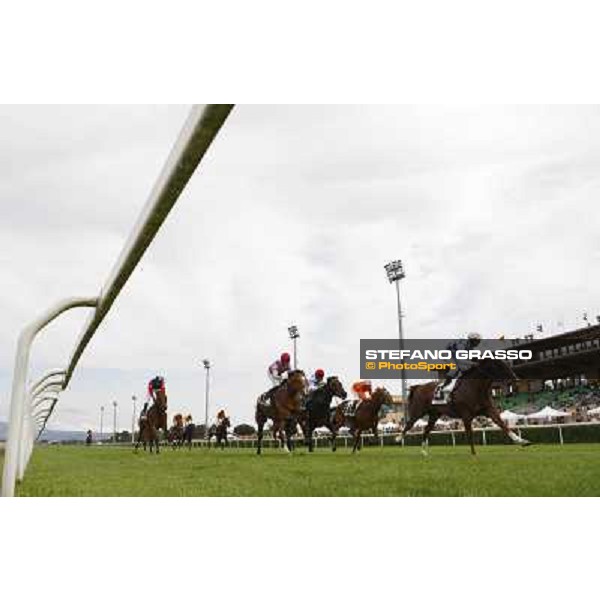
336 388
296 382
161 399
381 396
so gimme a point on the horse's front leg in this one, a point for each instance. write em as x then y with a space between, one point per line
308 434
289 426
357 438
469 431
260 423
426 432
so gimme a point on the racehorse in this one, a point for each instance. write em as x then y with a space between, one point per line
471 397
188 432
365 417
318 411
283 409
152 421
220 432
175 436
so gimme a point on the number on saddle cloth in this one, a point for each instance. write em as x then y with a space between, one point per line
349 407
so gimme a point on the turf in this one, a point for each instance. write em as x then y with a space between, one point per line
545 470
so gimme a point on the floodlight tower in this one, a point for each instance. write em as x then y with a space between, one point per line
115 421
395 272
294 335
134 398
207 366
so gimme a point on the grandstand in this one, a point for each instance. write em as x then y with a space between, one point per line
564 372
568 358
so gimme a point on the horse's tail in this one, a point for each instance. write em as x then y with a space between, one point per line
411 396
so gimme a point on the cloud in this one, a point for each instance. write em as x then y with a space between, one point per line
291 218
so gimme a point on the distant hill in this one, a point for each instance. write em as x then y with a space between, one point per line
50 435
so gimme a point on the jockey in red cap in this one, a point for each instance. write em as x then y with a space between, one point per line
278 371
154 385
317 380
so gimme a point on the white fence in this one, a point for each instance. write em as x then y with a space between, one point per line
31 409
484 436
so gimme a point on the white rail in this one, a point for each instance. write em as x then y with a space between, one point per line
196 136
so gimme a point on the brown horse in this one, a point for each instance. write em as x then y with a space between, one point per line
366 416
188 432
152 421
283 409
175 436
318 411
219 432
471 398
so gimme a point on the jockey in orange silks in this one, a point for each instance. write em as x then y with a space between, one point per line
363 388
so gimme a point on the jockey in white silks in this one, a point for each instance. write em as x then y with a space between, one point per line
278 371
444 390
277 374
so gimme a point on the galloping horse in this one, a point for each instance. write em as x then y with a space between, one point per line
472 397
175 436
318 411
366 416
188 432
155 419
220 432
284 408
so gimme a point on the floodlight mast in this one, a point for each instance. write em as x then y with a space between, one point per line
207 366
395 272
294 335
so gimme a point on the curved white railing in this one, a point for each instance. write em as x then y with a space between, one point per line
25 425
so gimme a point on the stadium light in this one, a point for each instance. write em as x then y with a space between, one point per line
134 398
294 335
101 421
115 421
207 366
395 272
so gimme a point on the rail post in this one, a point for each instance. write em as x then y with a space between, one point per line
20 400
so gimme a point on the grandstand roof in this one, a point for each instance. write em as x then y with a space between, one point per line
562 355
554 341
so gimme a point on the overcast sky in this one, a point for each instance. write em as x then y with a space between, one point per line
290 218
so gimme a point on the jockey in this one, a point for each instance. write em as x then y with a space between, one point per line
445 389
278 371
221 416
362 388
317 380
144 413
155 385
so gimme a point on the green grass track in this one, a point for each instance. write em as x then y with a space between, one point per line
544 470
